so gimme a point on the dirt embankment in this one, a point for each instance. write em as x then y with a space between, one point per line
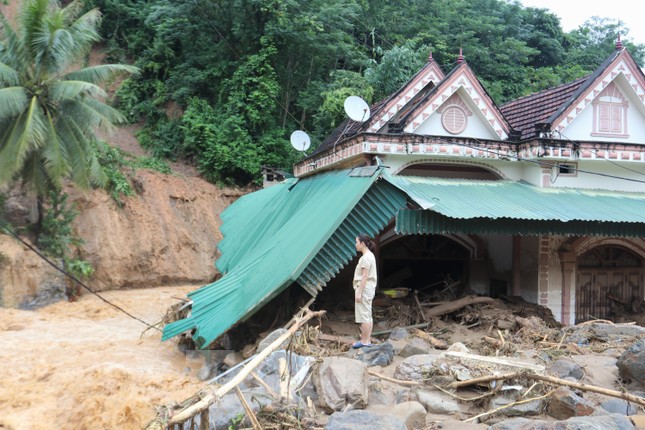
167 234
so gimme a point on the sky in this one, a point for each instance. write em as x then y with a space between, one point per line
573 13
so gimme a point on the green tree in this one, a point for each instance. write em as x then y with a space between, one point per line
50 108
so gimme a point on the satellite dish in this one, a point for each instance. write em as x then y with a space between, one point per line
300 140
357 109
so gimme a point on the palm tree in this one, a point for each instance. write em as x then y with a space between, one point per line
50 109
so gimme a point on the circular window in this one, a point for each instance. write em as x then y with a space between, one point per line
453 119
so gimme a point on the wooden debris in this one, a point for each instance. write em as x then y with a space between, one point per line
553 380
396 381
496 362
437 343
519 402
266 386
247 408
416 299
345 340
197 407
456 305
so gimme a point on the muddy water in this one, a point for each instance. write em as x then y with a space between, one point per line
85 365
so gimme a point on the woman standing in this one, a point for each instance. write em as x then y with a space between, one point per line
364 288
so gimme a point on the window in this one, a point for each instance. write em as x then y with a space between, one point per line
610 113
453 119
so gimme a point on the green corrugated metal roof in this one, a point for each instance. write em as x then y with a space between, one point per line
410 221
470 199
271 236
372 213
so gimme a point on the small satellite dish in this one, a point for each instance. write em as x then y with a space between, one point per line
300 140
357 109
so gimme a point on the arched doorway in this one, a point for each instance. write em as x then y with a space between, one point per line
609 279
420 262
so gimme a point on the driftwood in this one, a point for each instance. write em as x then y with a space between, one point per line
553 380
210 398
331 338
437 343
396 381
247 408
449 307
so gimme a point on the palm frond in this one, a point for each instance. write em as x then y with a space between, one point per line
14 50
60 90
13 100
90 114
34 175
8 75
102 73
54 155
72 11
26 135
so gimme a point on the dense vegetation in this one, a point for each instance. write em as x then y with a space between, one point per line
225 82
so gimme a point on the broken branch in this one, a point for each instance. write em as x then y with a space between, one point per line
244 372
557 381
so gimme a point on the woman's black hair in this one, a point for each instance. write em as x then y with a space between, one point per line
367 241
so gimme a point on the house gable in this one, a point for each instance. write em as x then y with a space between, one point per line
611 108
461 86
426 78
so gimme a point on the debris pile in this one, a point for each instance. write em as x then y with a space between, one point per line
473 361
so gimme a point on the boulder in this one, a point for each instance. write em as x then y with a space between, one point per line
363 420
631 365
564 368
604 422
399 334
341 381
438 403
532 408
564 404
413 414
415 347
619 406
377 355
417 367
229 407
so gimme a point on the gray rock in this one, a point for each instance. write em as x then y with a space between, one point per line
505 325
405 395
609 332
458 347
437 403
564 404
378 396
619 406
275 334
377 355
564 368
51 291
631 365
416 367
413 414
363 420
341 381
399 334
605 422
415 347
532 408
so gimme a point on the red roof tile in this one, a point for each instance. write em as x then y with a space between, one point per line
522 114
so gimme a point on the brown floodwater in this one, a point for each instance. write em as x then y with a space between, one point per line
85 365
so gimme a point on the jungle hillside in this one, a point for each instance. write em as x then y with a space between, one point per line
223 83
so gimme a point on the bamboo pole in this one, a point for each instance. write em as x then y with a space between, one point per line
396 381
557 381
207 400
247 408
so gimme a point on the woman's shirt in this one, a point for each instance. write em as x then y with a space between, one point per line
367 261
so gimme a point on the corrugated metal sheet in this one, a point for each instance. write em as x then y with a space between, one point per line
271 236
471 199
372 213
409 221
